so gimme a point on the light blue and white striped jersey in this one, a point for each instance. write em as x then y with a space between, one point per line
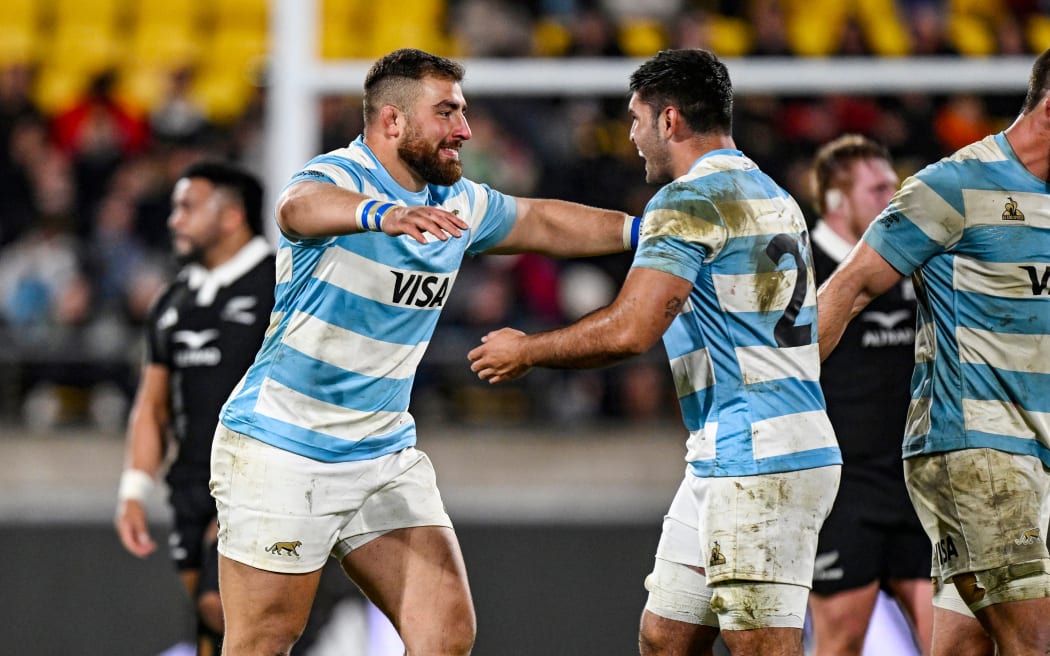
743 352
352 317
974 230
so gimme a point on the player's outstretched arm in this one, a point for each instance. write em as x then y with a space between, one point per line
560 228
631 325
311 209
861 277
145 449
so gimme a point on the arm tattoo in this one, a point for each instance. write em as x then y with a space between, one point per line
673 307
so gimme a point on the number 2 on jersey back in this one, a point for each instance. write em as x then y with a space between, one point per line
786 332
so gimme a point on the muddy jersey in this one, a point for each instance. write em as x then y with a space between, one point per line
743 350
205 329
867 378
354 315
974 231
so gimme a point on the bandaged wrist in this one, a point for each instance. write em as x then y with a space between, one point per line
134 484
631 226
370 212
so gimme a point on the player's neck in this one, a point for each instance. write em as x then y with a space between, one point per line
225 250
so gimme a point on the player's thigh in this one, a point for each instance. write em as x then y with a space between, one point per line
956 632
415 574
259 605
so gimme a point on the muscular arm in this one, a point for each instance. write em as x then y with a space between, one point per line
861 277
318 209
145 449
559 228
641 313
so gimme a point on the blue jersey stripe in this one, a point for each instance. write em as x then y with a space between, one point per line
340 387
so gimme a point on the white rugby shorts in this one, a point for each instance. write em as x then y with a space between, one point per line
983 509
283 512
750 528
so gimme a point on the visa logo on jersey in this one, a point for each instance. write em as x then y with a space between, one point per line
420 290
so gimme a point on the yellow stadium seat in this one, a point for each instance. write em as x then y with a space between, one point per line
1037 31
730 37
883 28
641 38
20 26
246 14
971 36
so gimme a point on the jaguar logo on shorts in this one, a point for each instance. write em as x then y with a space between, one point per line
717 557
285 548
1031 536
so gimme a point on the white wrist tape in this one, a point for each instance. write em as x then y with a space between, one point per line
631 226
134 484
369 214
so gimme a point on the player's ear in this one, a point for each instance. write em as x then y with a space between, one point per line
392 119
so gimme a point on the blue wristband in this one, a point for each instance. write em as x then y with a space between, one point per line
631 228
370 214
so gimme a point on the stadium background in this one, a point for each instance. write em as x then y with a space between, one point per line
557 483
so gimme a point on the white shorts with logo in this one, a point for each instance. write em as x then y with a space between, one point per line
750 528
983 509
283 512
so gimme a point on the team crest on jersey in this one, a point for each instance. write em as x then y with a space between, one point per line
239 310
1011 213
717 557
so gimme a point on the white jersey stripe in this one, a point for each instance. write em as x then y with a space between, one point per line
788 434
282 403
761 292
1001 279
1005 351
759 364
692 372
369 278
1000 418
352 351
946 231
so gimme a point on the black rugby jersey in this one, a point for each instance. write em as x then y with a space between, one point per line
206 328
867 378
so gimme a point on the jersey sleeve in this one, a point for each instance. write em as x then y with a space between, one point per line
681 230
496 213
921 221
157 349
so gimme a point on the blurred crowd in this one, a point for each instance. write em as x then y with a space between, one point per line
85 183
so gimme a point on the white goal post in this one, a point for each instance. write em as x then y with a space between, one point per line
297 77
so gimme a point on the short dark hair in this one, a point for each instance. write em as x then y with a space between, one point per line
1038 82
385 81
241 182
692 80
831 163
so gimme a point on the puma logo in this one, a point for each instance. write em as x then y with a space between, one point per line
285 548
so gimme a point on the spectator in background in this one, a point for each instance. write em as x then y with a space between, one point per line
97 132
872 538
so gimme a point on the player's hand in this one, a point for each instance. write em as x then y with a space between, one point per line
416 220
133 529
500 356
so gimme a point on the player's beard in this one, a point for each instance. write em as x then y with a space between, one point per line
187 251
426 160
658 169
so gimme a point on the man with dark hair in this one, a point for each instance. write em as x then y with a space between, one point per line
973 232
201 335
723 273
315 454
872 539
